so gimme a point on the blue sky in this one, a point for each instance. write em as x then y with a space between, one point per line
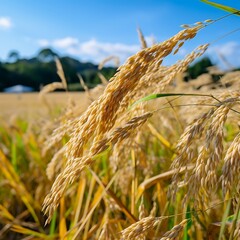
92 30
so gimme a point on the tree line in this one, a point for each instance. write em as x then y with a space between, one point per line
41 70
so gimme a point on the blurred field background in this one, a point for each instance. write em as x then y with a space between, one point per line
30 105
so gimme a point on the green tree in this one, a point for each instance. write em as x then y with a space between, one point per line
199 68
46 55
13 56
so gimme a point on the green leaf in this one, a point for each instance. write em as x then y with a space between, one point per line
14 156
223 7
53 224
224 219
161 95
188 225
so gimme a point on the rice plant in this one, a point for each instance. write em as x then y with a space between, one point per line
150 158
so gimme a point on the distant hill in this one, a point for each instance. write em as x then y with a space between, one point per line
41 70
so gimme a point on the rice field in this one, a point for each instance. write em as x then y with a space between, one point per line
145 156
30 104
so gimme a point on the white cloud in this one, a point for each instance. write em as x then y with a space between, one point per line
91 50
229 50
5 23
65 42
43 42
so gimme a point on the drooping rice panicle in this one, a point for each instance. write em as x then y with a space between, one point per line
141 38
175 231
231 167
72 171
140 228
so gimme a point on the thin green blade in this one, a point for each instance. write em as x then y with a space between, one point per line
161 95
224 219
223 7
188 226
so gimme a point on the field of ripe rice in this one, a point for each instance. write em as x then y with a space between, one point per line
150 158
28 104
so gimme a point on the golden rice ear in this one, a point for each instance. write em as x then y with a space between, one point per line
208 128
85 87
47 89
141 228
115 59
51 87
75 166
60 73
102 78
55 164
141 38
175 231
231 168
